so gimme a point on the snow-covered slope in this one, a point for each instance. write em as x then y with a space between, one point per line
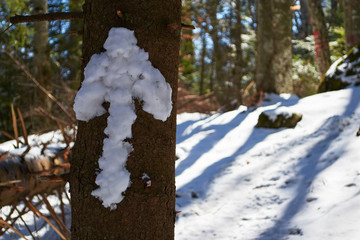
235 181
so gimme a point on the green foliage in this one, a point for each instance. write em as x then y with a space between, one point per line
337 42
65 52
305 75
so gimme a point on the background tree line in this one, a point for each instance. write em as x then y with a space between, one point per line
238 50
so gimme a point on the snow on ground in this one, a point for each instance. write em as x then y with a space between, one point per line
238 182
235 181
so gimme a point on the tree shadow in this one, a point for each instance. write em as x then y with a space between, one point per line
200 185
310 166
219 131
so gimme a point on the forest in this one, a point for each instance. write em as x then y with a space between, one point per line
206 119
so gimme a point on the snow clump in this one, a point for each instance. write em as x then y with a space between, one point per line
119 75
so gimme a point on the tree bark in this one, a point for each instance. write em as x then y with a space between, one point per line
237 78
320 32
274 53
351 22
42 63
145 212
202 61
305 19
218 51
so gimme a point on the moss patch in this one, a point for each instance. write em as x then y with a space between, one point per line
281 120
343 73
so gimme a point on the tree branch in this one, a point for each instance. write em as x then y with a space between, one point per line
32 78
46 17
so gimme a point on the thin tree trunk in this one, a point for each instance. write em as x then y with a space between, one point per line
203 55
305 19
264 47
352 22
220 76
320 33
42 62
237 78
145 212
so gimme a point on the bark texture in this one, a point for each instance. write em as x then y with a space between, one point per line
41 62
237 78
274 53
320 33
145 212
351 22
305 20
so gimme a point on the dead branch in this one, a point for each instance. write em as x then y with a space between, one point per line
41 175
46 17
32 78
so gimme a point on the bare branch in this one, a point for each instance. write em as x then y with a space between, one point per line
32 78
46 17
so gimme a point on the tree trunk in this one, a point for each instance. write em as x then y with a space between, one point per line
351 22
42 63
218 53
305 19
203 55
274 53
282 60
237 78
145 212
320 33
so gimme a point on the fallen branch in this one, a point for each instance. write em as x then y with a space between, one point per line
20 177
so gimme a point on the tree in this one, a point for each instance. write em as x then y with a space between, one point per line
320 33
273 53
237 78
146 212
305 20
42 63
351 22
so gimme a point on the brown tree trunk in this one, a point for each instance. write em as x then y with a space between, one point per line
320 33
305 19
237 78
203 55
274 53
42 64
145 212
218 51
351 22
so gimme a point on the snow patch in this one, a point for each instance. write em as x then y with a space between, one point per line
273 114
119 75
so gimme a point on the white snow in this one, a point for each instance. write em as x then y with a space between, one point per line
273 114
235 181
119 75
